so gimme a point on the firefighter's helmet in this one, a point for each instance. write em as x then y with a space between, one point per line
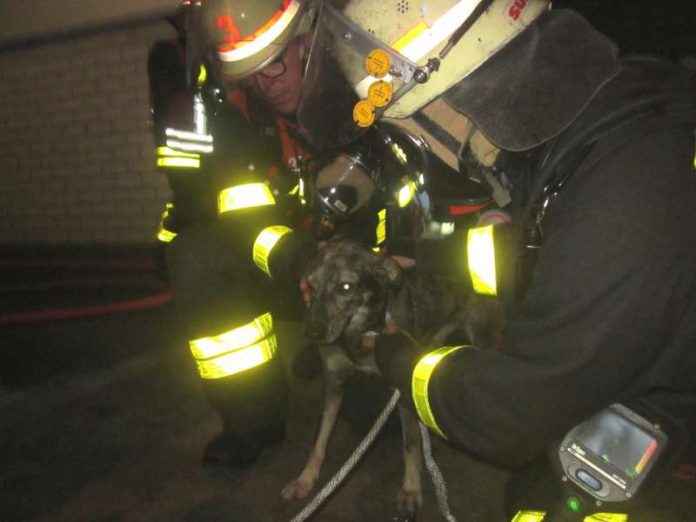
249 34
513 67
391 58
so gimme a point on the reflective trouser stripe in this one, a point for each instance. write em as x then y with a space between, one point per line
420 380
244 196
236 350
481 259
264 244
538 516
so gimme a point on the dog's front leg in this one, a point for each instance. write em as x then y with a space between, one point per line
410 496
337 368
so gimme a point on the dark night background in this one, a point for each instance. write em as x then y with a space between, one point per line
643 26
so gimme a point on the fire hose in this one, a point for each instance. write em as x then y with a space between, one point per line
161 294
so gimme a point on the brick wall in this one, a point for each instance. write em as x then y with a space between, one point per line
76 150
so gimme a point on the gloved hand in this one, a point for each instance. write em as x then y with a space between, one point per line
396 354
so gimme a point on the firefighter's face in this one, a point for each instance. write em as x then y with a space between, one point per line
280 82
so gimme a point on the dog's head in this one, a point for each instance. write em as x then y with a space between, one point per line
349 290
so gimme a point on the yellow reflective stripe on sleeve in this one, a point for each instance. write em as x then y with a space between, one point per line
236 350
188 136
164 235
381 231
169 152
167 157
189 147
264 243
529 516
184 142
538 516
419 385
301 193
202 75
244 196
187 163
481 259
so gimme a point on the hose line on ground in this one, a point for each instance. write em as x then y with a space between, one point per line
161 292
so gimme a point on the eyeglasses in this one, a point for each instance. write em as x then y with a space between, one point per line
275 69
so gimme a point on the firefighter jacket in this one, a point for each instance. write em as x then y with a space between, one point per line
241 169
607 314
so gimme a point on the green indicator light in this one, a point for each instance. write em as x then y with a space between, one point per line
573 504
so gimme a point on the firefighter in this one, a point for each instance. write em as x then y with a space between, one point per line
594 155
227 142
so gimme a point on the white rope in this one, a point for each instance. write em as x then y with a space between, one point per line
357 454
433 469
436 475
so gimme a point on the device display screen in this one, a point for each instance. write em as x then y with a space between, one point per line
618 442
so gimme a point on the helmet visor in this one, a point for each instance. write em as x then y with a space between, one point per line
351 78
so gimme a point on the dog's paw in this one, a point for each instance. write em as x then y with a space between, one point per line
408 501
297 489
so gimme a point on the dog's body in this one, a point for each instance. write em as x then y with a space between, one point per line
354 291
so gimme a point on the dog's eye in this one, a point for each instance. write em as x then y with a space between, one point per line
344 288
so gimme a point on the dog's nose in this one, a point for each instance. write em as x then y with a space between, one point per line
314 331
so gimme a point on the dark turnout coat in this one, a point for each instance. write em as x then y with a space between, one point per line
609 314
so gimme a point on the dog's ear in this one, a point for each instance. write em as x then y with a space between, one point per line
390 269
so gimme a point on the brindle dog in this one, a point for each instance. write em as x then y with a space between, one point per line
354 291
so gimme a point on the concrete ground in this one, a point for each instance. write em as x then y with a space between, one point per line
103 419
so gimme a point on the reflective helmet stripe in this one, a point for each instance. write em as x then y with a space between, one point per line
419 385
236 350
481 259
244 196
421 39
264 36
264 243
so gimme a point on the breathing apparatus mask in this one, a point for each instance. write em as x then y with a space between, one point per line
383 169
344 182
